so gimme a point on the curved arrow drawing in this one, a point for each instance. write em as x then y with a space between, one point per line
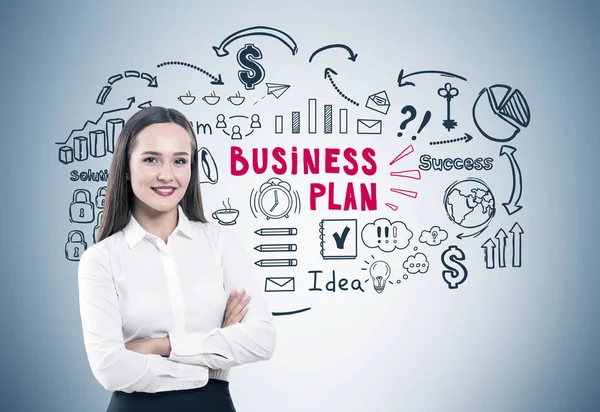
131 100
512 205
328 72
256 31
401 76
115 78
216 80
475 234
352 57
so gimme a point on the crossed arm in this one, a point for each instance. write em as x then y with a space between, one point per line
247 333
236 309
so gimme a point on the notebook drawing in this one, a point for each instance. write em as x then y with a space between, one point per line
338 238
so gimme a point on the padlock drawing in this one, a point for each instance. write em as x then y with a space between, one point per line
81 209
97 227
75 245
100 196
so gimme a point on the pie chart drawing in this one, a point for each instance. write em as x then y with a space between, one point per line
499 112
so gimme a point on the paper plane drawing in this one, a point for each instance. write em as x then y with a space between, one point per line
277 89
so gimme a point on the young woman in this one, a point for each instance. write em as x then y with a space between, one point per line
168 301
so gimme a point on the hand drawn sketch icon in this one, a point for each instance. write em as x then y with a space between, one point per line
100 197
187 99
277 89
211 99
226 216
97 227
275 199
379 102
81 209
499 112
75 245
237 99
379 271
470 204
368 126
208 166
280 284
448 92
338 238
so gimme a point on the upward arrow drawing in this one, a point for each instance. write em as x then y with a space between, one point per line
501 237
516 231
130 100
488 253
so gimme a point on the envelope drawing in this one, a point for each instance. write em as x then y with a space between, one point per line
368 126
379 102
280 284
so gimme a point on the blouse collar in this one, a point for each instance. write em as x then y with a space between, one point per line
134 232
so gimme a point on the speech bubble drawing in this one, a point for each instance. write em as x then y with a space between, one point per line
416 263
433 237
386 235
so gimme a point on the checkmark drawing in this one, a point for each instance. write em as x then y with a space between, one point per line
340 240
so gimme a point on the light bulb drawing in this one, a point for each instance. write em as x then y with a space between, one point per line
380 272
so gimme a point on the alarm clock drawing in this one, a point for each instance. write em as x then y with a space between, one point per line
275 198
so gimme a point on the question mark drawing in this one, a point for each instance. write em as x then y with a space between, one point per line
413 114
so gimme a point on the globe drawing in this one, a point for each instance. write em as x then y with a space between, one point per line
469 203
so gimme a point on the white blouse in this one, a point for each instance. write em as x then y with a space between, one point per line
133 286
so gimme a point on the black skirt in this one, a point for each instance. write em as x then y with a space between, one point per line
213 397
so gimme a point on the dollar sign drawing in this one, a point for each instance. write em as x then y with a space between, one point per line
246 58
454 276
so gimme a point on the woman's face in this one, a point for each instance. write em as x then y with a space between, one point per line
159 167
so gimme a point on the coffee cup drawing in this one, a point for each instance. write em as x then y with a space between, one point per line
187 99
226 216
212 99
237 99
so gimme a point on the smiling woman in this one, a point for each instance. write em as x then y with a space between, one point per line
159 173
162 318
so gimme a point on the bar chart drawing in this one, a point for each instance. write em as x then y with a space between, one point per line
77 146
328 118
278 124
343 121
313 120
98 143
295 122
312 116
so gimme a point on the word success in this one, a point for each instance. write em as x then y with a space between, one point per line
314 161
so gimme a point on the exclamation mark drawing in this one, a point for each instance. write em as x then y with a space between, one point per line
424 122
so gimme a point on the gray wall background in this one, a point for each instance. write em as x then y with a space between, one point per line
524 342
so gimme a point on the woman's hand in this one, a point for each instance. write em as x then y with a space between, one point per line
236 308
145 346
157 346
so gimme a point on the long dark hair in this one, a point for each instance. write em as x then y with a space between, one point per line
119 195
